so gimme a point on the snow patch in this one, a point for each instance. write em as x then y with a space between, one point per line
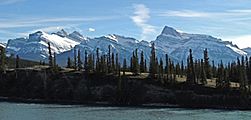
237 50
112 37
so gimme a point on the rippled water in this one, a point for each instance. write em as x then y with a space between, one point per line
17 111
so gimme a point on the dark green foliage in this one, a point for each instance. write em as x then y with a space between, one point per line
166 69
50 55
190 69
135 63
207 66
97 61
75 59
54 60
69 62
203 77
142 62
220 76
182 69
17 61
124 67
161 71
2 60
112 63
145 66
86 66
90 63
117 66
153 65
214 70
79 60
109 59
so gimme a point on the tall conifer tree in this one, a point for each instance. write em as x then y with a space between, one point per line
50 55
79 60
142 62
153 65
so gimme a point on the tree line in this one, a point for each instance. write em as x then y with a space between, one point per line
196 71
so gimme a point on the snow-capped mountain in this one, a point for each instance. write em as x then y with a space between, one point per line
170 41
247 50
35 47
3 45
178 44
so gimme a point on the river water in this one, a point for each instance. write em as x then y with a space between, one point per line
20 111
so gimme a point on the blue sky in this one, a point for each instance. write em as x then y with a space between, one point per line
226 19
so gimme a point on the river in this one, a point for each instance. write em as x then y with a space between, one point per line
21 111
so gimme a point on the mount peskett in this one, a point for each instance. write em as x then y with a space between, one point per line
170 41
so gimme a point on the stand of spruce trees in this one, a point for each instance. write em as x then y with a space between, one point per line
165 71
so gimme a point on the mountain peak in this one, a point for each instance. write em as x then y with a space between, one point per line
62 33
170 31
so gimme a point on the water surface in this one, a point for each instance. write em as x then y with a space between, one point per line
21 111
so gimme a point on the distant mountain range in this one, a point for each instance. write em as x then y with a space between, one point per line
170 41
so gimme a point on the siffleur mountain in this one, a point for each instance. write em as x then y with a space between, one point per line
170 41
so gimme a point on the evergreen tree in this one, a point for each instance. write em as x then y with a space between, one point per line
152 67
54 60
75 59
166 68
69 62
145 66
203 77
102 64
182 69
197 70
178 69
117 66
112 63
243 76
171 71
249 72
190 69
17 61
135 63
90 63
214 70
207 65
124 66
226 82
142 62
161 71
2 60
93 62
97 61
86 62
79 60
109 59
220 75
50 55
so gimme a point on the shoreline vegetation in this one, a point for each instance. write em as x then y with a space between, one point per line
103 80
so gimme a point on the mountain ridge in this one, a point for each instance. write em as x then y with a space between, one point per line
170 41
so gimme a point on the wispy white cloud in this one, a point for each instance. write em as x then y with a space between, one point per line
206 14
140 18
8 2
91 30
185 13
30 22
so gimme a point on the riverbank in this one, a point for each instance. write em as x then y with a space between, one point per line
106 104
